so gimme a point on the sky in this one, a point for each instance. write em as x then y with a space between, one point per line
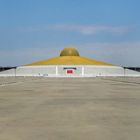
106 30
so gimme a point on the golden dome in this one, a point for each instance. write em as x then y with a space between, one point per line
69 52
69 56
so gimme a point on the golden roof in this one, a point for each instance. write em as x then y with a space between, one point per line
69 56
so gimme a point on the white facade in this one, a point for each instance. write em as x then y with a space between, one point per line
69 71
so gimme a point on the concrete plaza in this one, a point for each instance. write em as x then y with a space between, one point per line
69 108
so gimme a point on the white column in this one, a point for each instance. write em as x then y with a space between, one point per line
82 70
56 70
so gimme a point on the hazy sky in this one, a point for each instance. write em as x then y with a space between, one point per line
107 30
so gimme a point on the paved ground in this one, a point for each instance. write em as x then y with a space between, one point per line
70 109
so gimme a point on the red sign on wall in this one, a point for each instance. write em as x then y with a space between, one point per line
69 71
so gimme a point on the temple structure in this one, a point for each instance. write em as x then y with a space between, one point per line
69 64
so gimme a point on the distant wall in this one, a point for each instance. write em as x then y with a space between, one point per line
10 72
6 68
134 68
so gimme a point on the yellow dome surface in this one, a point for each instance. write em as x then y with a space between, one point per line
69 60
69 52
69 56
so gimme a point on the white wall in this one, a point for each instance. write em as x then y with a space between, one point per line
36 71
60 71
103 71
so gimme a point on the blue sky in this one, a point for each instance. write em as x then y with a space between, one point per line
32 30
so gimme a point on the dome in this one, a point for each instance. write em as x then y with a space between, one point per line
69 56
69 52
